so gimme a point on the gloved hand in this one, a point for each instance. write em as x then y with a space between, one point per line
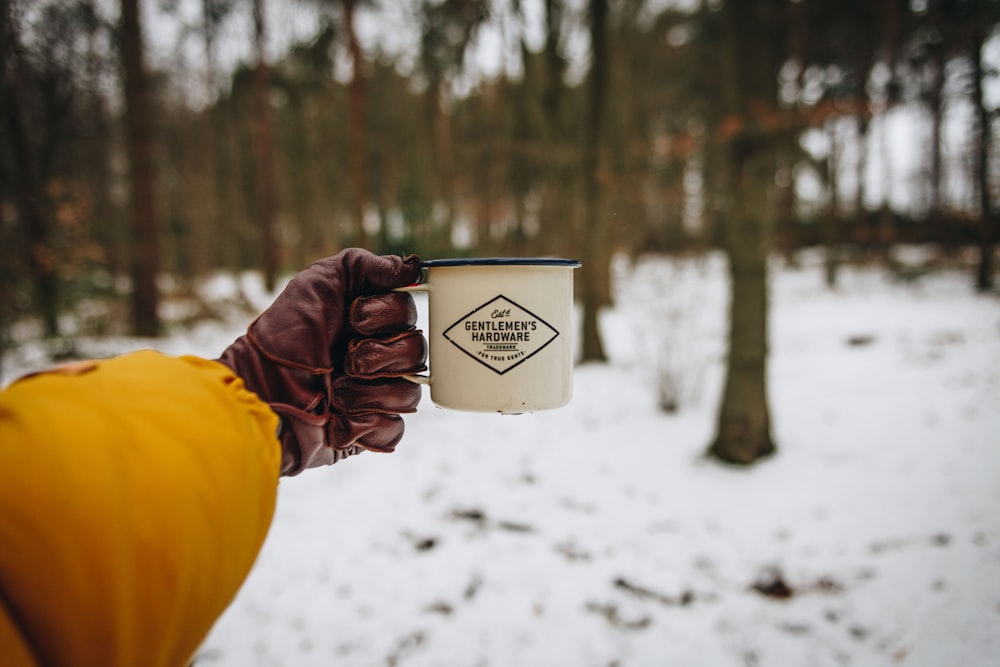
327 357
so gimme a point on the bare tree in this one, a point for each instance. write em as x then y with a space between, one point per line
752 57
557 203
25 174
594 242
988 220
263 133
138 120
203 239
446 31
357 132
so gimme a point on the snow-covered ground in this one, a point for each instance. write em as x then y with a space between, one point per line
599 535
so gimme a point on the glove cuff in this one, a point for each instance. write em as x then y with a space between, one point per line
304 440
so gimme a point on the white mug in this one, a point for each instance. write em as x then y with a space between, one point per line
500 333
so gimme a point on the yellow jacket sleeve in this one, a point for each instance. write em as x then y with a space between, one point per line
135 494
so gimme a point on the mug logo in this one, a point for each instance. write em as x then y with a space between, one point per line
500 334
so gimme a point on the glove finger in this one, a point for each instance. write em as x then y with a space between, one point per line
308 318
371 358
383 313
368 273
387 396
375 432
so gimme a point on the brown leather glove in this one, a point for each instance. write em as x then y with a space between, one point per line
327 357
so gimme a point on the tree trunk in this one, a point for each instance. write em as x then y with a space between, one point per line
862 229
356 141
263 132
558 232
988 223
29 197
786 236
208 234
935 103
830 223
146 251
744 425
596 261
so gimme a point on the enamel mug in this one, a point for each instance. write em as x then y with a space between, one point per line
500 333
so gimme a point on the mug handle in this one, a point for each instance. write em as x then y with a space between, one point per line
419 287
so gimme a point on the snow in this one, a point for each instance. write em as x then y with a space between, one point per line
599 535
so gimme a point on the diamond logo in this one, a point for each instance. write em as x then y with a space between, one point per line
501 334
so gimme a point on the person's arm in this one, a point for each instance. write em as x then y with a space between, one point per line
330 354
135 494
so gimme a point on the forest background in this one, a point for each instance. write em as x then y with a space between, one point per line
147 146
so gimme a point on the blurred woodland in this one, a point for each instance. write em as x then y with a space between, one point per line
754 127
